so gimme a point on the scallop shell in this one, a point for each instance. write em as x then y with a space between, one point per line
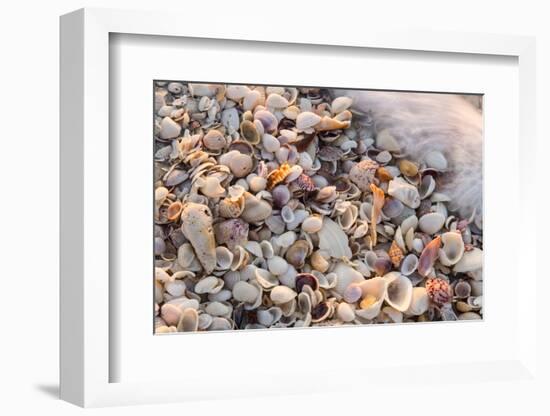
333 240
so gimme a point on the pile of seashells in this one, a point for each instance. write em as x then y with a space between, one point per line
283 207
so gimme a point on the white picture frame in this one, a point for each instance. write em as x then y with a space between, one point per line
87 356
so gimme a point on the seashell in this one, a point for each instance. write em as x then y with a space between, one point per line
427 186
249 132
382 266
320 312
471 261
200 90
386 141
345 312
268 120
435 160
320 261
306 279
197 228
220 324
399 291
267 249
276 101
231 208
224 258
312 224
420 302
204 321
469 316
439 291
377 204
346 276
396 254
240 258
217 309
287 214
383 157
214 140
392 207
297 253
240 165
175 177
307 120
160 246
268 317
333 240
174 210
431 223
363 174
373 292
384 174
281 294
270 143
257 183
277 265
232 233
236 92
405 192
278 175
169 129
251 100
294 173
429 256
281 195
408 168
353 293
390 314
209 284
326 124
326 194
189 321
245 292
340 104
230 119
452 250
409 265
170 313
462 289
255 210
210 187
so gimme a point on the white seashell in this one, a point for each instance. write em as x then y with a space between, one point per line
398 291
205 321
452 248
405 192
169 129
236 92
270 143
287 214
230 119
312 224
431 223
251 100
471 261
200 90
214 140
209 284
266 279
276 101
176 288
268 317
386 141
376 288
307 120
409 223
286 240
340 104
345 312
267 249
255 210
254 248
288 278
256 183
162 276
220 324
240 165
277 265
383 157
393 314
299 216
245 292
333 240
218 309
346 276
420 301
281 295
211 187
436 160
224 258
409 264
222 296
469 316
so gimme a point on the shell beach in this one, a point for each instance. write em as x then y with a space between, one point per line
279 207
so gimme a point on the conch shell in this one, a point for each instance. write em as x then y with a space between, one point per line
197 227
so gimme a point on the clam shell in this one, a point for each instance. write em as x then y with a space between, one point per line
346 276
240 165
169 129
245 292
276 101
405 192
281 295
236 92
268 120
277 265
340 104
333 240
255 210
345 312
214 140
312 224
409 265
209 284
420 302
431 223
471 261
307 120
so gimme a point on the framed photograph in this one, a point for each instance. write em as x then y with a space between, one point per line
292 212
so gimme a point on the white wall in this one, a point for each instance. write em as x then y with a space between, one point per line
29 175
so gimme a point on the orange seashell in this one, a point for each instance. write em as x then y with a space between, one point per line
278 175
384 175
174 210
396 254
